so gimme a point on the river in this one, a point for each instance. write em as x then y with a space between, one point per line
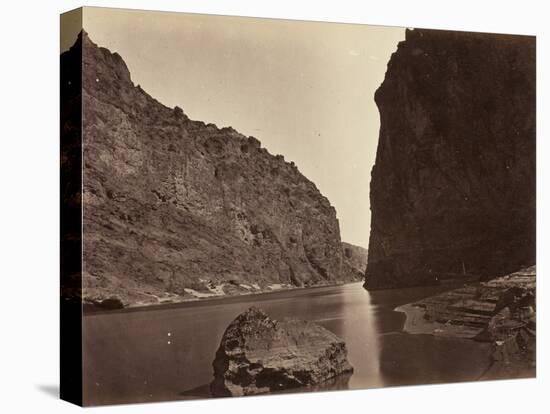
165 353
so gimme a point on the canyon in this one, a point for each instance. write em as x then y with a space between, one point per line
176 209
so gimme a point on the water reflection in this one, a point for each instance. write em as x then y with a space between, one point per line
166 353
359 332
421 359
424 359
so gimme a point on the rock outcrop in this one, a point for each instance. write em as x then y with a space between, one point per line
453 186
501 311
355 257
258 355
175 208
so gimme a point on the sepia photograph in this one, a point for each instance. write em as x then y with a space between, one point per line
254 206
274 207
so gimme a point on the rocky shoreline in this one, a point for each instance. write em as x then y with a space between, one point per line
115 303
177 209
501 311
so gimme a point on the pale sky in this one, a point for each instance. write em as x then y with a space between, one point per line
304 89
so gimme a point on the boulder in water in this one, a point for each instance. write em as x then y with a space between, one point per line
258 355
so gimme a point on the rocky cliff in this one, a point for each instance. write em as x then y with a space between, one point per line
453 186
175 208
356 257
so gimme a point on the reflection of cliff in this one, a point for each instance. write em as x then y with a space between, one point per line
175 208
453 186
424 359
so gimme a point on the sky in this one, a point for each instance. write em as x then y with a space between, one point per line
304 89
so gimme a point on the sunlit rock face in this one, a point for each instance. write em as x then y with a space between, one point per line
356 257
453 186
259 355
175 208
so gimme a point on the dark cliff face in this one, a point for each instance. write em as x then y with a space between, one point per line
173 206
453 186
70 177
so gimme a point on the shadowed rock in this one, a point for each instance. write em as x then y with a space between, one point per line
453 185
258 355
111 303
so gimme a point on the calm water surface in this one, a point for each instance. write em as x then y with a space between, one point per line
165 353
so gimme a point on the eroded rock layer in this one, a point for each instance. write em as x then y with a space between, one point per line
258 355
453 186
501 311
175 208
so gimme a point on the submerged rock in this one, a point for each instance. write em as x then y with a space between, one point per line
258 355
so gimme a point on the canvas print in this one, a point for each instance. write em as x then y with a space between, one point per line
257 206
